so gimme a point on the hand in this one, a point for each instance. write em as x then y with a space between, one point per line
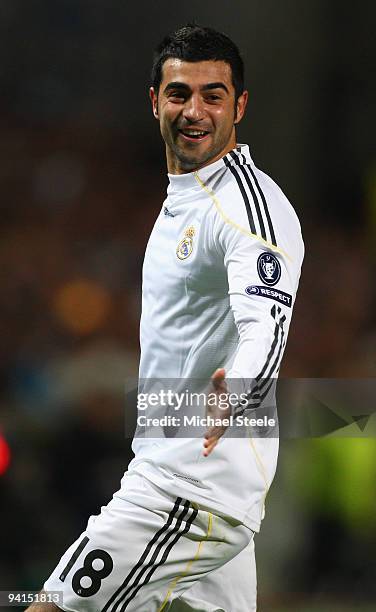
217 411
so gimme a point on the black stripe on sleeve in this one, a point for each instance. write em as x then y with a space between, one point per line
144 555
274 365
255 394
271 352
251 188
243 192
267 214
278 327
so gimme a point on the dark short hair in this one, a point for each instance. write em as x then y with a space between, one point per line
194 43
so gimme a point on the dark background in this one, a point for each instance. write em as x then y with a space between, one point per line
82 178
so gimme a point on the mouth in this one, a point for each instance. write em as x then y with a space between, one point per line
193 135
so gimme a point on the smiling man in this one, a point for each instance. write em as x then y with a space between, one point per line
198 108
220 277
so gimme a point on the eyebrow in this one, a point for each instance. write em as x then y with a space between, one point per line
206 87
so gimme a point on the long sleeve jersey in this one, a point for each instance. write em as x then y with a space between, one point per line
220 276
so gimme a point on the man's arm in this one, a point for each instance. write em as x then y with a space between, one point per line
262 282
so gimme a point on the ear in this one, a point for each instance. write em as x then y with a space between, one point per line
241 106
154 101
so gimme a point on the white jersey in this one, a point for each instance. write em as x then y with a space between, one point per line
220 277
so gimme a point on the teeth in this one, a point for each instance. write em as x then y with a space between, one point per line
194 133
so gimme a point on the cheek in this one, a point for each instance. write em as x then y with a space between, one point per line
163 121
165 126
224 116
224 124
167 116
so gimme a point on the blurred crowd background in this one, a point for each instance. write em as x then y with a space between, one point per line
82 178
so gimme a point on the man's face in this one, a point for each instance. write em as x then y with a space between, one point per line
195 106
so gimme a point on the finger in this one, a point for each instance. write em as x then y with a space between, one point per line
209 447
211 440
218 378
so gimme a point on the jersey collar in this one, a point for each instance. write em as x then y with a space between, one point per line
179 182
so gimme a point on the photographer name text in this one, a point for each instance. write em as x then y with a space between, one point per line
207 421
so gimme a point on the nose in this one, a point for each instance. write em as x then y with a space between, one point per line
194 109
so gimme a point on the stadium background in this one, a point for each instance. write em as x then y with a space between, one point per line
82 178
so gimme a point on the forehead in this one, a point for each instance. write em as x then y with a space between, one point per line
196 73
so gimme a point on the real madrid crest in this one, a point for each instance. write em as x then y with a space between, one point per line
185 246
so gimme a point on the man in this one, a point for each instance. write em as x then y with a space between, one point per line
220 277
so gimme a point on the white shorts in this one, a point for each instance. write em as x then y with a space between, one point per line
148 551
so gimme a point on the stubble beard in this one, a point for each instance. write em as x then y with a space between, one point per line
192 162
189 162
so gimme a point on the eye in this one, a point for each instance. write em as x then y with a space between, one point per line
176 96
212 97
